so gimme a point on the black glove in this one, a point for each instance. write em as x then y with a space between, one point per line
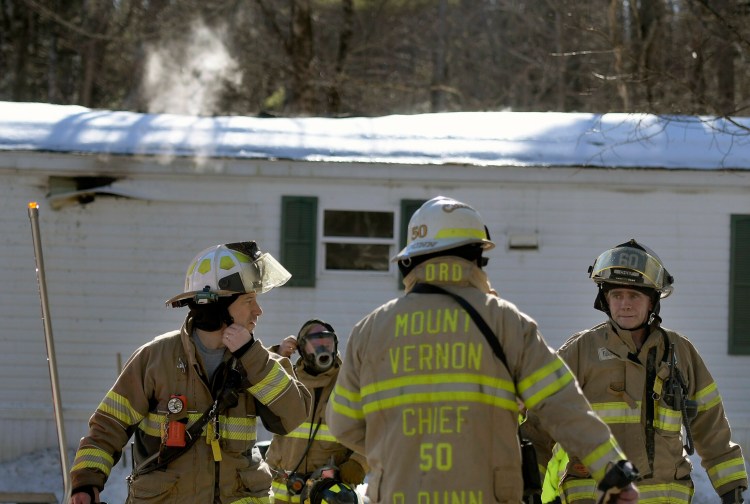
733 496
351 472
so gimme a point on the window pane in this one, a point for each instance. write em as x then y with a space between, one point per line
358 224
352 256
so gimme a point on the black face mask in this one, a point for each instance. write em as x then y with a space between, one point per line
323 357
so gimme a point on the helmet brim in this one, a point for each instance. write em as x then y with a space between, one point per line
415 249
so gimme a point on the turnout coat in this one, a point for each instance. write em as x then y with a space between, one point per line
221 467
423 396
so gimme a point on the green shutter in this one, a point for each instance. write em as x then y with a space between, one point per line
299 234
408 207
739 286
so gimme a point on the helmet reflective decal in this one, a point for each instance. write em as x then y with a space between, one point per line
632 264
226 270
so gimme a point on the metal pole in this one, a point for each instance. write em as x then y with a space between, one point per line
34 217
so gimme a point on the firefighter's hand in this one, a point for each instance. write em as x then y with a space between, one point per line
85 495
352 473
628 495
235 336
288 346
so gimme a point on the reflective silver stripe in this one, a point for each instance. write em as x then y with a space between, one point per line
664 492
544 382
118 406
708 397
575 489
272 386
617 412
668 419
281 494
462 387
306 428
727 471
242 429
91 457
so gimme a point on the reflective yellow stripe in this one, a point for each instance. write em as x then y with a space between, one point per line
346 403
461 233
118 406
238 428
281 493
306 428
664 492
575 489
727 471
708 397
617 412
667 419
91 457
253 500
545 382
597 460
461 387
271 387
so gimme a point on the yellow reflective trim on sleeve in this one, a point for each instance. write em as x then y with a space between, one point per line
727 471
306 428
575 489
544 382
272 386
597 461
91 457
118 406
708 397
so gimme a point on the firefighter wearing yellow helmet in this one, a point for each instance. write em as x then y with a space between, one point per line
422 394
650 385
191 398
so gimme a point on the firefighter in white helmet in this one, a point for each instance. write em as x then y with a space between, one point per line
191 398
422 394
651 387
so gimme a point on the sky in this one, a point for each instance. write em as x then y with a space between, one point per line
476 138
40 471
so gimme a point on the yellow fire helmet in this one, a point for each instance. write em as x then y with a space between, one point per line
443 223
229 269
632 264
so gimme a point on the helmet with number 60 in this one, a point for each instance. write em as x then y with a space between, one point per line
632 265
227 270
443 223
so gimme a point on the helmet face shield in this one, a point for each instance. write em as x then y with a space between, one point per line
226 270
631 266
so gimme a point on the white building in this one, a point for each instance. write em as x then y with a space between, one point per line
126 200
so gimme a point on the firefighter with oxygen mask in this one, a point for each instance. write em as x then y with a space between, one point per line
308 464
650 385
424 393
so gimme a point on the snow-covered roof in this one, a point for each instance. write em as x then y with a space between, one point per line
474 138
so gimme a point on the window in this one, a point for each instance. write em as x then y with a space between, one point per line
357 240
350 239
739 286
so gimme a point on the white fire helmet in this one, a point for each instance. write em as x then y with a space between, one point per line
632 264
229 269
443 223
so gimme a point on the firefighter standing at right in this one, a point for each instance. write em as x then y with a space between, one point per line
422 395
650 385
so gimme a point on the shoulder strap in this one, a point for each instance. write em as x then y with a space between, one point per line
489 335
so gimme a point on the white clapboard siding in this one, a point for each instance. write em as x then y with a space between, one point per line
112 263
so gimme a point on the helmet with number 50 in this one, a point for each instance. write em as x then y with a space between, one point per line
630 265
441 224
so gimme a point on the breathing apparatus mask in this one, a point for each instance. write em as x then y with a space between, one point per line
324 342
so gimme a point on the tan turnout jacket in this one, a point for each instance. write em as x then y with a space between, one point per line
230 470
287 451
422 395
615 379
